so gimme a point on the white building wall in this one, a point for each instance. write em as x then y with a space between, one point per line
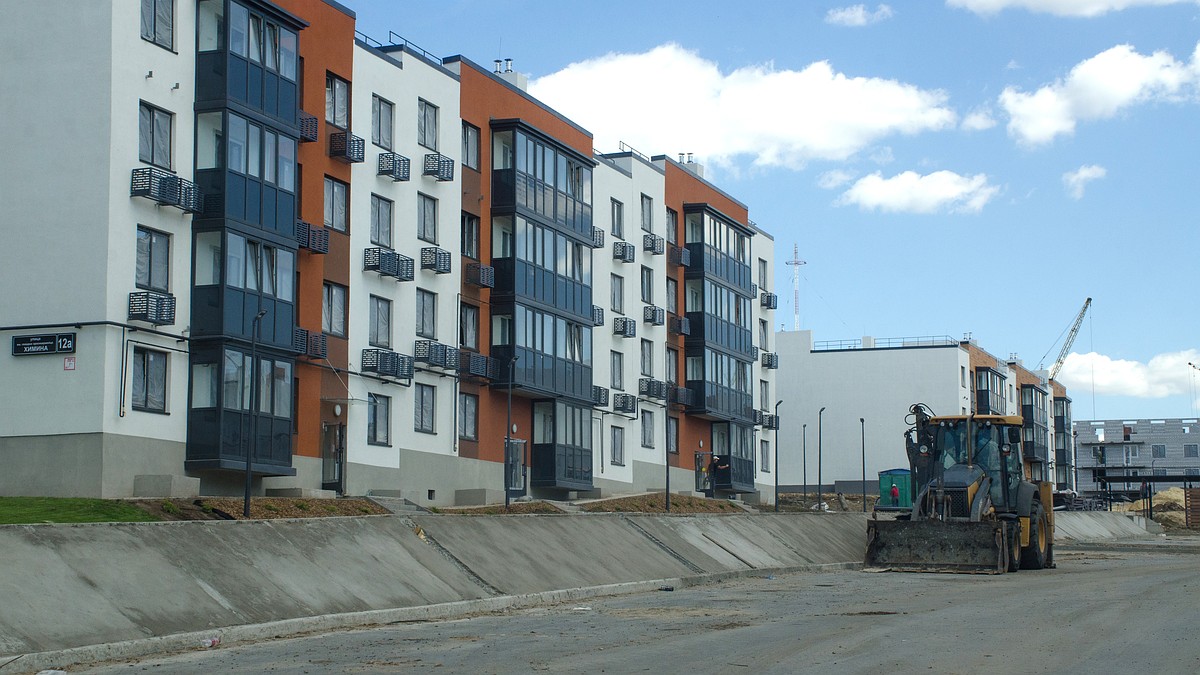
877 385
402 79
763 323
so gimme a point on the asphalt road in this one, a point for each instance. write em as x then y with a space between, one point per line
1098 612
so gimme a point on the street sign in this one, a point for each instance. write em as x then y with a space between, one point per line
48 343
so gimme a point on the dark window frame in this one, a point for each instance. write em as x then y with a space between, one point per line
141 363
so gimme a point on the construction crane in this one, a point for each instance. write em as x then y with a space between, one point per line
1066 348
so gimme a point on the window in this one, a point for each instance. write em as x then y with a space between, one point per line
158 20
470 235
618 219
764 456
379 416
468 331
1191 472
424 408
333 310
672 226
427 229
470 149
337 215
672 363
381 221
1190 450
618 294
427 124
380 334
154 135
153 260
764 395
647 429
426 314
468 417
337 101
672 295
647 358
763 333
673 435
618 371
962 376
149 380
618 446
381 122
762 274
647 213
647 285
1158 451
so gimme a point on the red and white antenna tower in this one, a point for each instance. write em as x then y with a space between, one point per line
795 263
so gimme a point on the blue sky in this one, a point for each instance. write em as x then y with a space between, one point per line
945 167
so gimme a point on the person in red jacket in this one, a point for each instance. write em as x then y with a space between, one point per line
895 495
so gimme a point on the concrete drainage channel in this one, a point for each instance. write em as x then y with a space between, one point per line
82 593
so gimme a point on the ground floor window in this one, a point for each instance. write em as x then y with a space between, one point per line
149 380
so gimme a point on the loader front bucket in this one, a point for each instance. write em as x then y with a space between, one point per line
935 546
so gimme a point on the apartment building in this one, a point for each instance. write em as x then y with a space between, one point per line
264 287
1118 455
865 388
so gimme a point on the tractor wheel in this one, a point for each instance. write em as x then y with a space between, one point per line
1013 533
1034 556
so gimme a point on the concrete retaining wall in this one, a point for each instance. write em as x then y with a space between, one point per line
67 586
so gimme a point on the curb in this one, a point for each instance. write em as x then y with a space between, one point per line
247 634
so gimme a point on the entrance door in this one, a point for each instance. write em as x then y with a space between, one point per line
333 452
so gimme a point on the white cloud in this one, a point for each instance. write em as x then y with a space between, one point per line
858 15
883 156
1076 8
1097 88
910 192
978 120
831 180
776 117
1075 181
1164 375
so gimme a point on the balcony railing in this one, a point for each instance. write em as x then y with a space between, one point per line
681 396
626 403
388 263
768 300
346 147
652 388
770 360
475 365
597 315
680 325
624 327
680 256
309 132
387 363
655 316
164 187
312 237
152 307
599 395
393 166
770 422
597 237
318 345
438 166
483 276
623 251
438 260
654 244
434 353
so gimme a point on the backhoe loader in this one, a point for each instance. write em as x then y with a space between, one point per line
975 509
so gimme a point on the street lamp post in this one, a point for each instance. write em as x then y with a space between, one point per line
820 435
804 459
777 456
508 433
667 482
254 394
862 423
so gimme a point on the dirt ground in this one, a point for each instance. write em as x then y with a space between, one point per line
654 503
261 508
1168 508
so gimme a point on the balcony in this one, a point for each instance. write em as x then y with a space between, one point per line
770 422
483 276
152 307
681 396
318 345
680 256
655 316
624 327
346 147
623 251
387 363
624 403
300 340
599 395
438 260
768 300
315 238
597 315
770 360
597 237
654 244
652 388
438 166
758 418
474 365
433 353
167 189
394 166
309 131
679 325
388 263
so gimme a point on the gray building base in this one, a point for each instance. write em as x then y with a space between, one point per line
84 465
